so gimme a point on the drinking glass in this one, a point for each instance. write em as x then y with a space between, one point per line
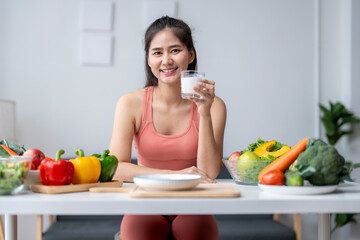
189 79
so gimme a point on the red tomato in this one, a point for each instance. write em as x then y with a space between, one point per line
273 177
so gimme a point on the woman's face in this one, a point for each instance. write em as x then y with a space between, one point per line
168 56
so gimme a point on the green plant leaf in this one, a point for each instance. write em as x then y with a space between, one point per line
353 166
334 118
324 109
350 120
341 219
338 110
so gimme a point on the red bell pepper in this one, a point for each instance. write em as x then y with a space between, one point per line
56 171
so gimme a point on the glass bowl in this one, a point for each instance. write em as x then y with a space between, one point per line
33 177
13 173
245 171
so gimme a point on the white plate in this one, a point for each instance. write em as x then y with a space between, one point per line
293 190
165 182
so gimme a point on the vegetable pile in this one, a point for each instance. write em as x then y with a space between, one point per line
256 157
54 172
81 170
312 160
284 161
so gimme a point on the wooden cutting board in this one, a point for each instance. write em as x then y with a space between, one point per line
72 187
110 189
217 190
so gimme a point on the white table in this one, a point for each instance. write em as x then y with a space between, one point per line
253 200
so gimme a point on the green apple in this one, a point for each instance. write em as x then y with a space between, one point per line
249 155
249 165
246 161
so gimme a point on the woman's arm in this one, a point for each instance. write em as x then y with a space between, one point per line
211 138
212 112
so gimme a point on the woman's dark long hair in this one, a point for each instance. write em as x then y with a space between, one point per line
181 30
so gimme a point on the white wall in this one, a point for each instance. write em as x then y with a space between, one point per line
355 76
272 61
355 97
260 53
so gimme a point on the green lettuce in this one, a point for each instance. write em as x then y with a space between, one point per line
275 147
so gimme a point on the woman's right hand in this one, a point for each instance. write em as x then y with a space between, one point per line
197 171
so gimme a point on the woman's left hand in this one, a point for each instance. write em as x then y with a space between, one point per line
206 88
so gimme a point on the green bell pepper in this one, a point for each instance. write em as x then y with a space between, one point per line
109 164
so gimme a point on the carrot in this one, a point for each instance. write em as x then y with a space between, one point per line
9 151
284 161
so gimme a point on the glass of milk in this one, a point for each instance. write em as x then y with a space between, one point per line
189 79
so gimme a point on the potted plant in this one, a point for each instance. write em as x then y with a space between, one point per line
334 120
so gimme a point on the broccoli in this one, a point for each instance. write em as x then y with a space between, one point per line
320 164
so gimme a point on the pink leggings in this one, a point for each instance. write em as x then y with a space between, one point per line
158 227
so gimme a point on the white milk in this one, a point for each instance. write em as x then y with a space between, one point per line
187 84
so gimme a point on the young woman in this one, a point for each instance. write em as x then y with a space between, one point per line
171 134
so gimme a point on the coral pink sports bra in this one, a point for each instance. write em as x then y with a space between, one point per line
173 152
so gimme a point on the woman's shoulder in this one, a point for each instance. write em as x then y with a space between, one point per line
219 103
132 99
218 107
131 103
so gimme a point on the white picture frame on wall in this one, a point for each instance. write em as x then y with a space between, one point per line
96 15
96 48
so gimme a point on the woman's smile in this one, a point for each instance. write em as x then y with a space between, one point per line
169 71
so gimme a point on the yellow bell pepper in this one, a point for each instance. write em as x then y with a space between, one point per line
264 150
87 169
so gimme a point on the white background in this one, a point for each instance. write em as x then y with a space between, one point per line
273 62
